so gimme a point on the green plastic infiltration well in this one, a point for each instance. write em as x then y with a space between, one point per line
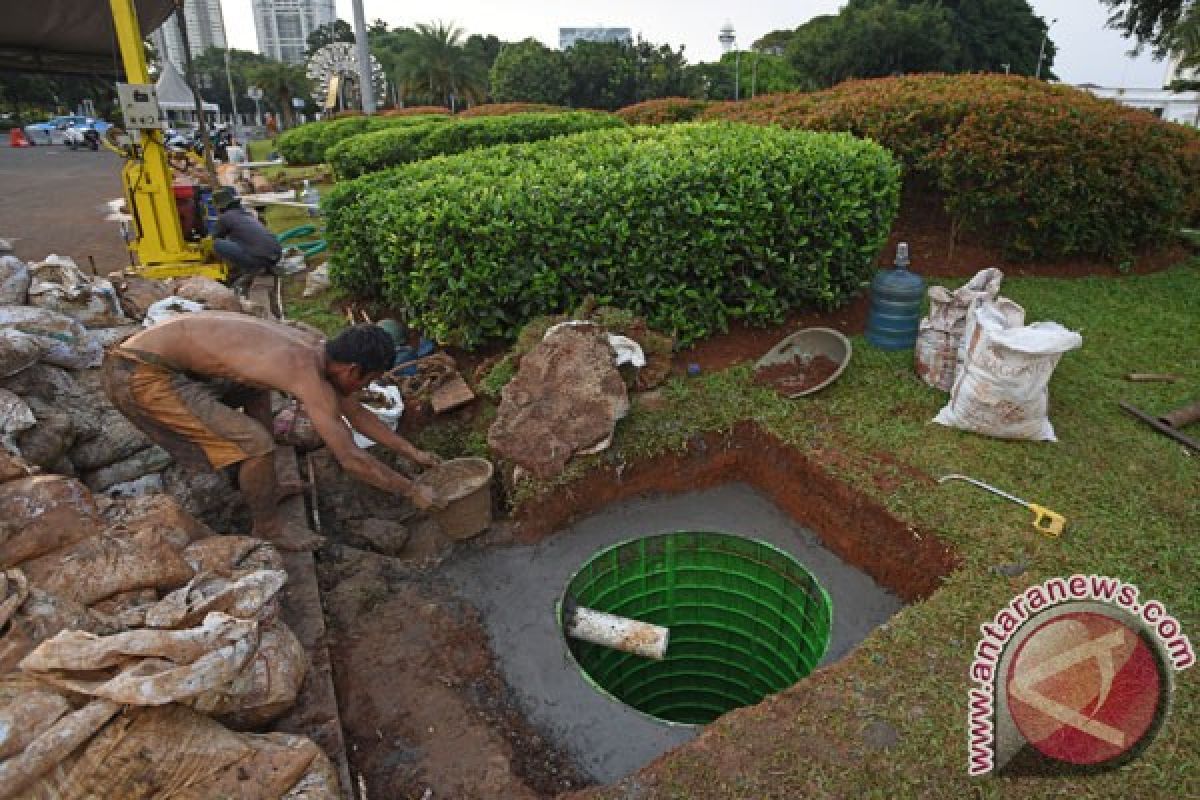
746 620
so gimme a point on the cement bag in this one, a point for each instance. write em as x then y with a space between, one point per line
937 348
208 293
27 710
149 461
158 512
177 753
14 281
41 514
169 308
250 595
147 667
18 351
386 403
139 294
66 342
266 688
59 285
39 616
20 774
12 467
319 783
1003 388
109 563
317 281
225 555
117 440
15 417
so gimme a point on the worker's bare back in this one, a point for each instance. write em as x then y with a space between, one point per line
242 348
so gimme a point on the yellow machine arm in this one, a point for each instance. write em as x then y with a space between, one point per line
161 250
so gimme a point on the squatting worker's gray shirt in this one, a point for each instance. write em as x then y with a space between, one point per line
242 226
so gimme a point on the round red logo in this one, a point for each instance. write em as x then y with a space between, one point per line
1085 688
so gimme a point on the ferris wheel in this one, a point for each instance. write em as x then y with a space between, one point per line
332 64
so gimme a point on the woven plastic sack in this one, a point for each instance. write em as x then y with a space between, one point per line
18 351
66 342
265 688
1003 387
41 514
34 615
147 667
109 563
14 281
937 349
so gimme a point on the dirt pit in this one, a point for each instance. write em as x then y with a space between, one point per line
424 644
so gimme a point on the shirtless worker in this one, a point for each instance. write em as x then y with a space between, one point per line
181 381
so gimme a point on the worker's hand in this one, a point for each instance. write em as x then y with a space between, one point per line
426 459
422 497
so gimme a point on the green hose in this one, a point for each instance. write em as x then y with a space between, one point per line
297 232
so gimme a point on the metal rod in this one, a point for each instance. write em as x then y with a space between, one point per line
1166 430
982 485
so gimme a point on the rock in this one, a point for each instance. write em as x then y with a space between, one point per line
212 295
566 396
144 462
381 535
138 294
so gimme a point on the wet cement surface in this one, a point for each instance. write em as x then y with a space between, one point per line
516 588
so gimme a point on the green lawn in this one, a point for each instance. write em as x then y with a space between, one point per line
1130 495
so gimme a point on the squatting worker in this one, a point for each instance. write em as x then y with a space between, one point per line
181 381
240 239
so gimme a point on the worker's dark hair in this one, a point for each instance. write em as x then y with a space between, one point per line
366 346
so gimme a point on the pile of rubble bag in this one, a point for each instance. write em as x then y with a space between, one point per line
138 648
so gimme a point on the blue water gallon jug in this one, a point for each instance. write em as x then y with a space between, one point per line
896 296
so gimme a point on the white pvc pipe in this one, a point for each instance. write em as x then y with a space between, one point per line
619 633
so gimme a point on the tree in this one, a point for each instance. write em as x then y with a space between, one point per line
280 83
601 75
1168 27
483 50
211 78
337 31
529 72
875 38
992 33
775 42
435 62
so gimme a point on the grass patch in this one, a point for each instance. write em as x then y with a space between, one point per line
260 149
1129 494
322 311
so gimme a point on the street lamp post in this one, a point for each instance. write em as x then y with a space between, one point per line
256 94
237 132
1042 49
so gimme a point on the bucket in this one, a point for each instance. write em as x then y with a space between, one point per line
464 487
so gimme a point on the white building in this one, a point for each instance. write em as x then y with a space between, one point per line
205 28
569 36
283 26
1181 107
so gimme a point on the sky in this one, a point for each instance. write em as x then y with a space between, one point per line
1087 51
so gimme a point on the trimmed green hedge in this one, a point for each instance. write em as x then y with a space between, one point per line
372 152
689 226
306 144
1042 171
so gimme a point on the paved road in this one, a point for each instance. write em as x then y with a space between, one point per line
52 201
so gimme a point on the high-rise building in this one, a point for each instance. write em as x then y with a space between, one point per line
205 29
569 36
283 26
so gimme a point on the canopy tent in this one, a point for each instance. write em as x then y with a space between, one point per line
173 92
71 36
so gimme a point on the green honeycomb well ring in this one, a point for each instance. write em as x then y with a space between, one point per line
746 620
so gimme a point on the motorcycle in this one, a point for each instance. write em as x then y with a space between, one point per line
75 138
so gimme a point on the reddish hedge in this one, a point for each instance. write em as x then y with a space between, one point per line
502 109
415 111
663 110
1044 171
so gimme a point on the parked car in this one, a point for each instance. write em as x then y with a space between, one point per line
51 130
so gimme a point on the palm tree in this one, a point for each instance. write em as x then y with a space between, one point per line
282 82
437 61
